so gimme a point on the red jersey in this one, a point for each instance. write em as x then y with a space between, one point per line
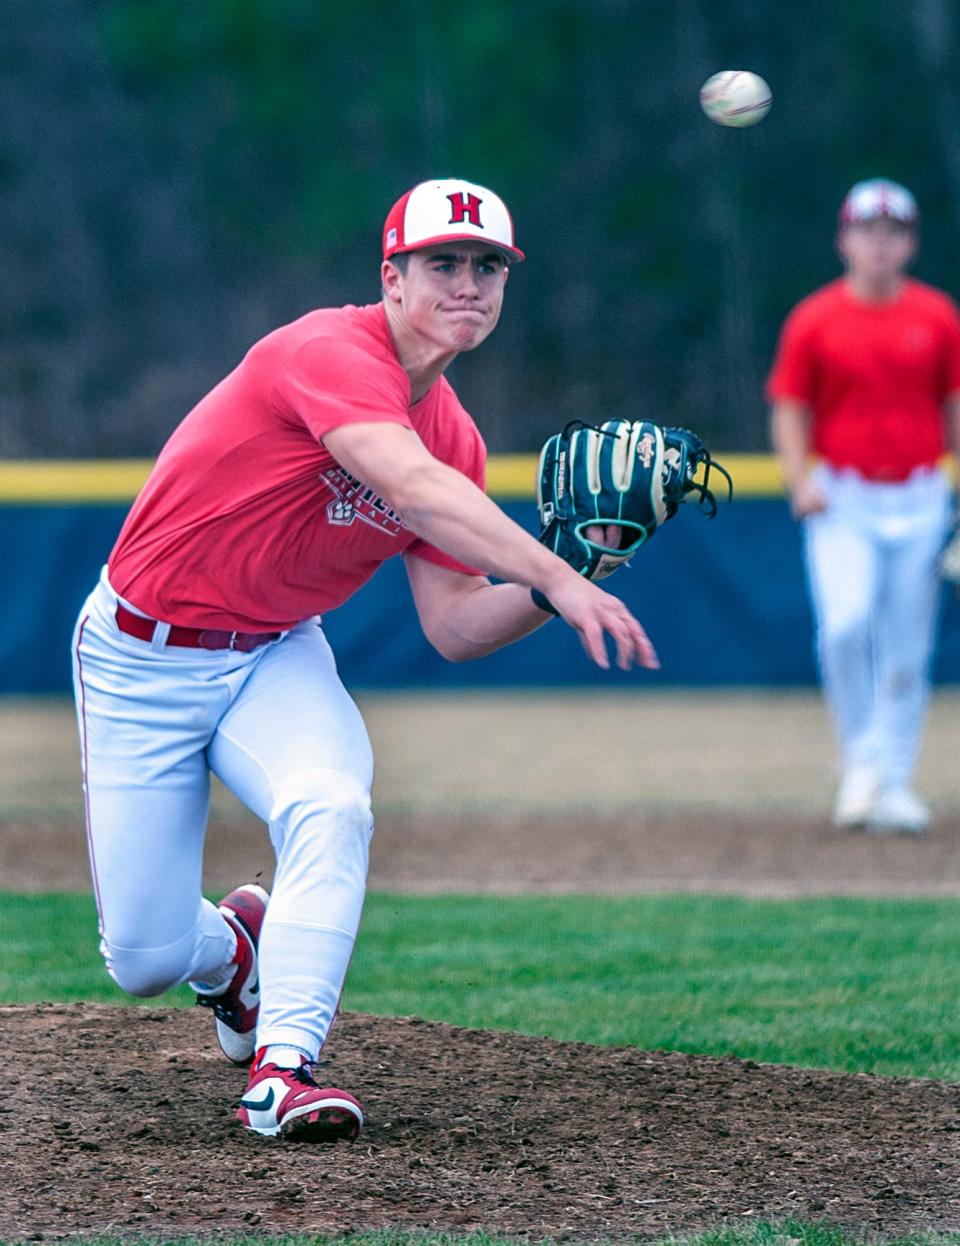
875 375
247 523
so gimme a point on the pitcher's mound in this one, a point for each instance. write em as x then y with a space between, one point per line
119 1120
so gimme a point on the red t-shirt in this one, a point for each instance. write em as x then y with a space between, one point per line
247 523
875 375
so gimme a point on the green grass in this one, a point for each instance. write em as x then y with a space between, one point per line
859 985
763 1233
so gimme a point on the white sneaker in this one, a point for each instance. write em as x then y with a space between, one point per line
237 1005
857 797
290 1102
899 809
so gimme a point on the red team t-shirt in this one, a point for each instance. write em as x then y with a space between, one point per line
247 523
875 376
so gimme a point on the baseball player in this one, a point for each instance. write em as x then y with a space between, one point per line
335 444
867 377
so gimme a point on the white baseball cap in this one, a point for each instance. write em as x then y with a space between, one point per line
878 197
448 210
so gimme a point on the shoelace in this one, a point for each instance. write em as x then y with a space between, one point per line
229 1016
304 1074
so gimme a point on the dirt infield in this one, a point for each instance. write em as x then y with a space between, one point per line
121 1122
629 851
725 791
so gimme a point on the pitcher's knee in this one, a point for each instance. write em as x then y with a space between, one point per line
844 640
337 799
145 972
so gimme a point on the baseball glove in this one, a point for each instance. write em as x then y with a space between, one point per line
631 474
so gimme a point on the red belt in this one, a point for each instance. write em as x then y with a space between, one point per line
192 637
884 476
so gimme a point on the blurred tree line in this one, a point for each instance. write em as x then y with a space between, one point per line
179 176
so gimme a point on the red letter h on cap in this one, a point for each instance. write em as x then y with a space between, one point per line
465 206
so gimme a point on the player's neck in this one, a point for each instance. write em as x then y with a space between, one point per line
422 360
423 375
867 289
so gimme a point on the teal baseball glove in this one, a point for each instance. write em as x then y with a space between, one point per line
628 476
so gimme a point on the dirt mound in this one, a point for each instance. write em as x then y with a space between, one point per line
121 1121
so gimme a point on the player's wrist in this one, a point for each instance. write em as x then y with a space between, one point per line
551 585
560 575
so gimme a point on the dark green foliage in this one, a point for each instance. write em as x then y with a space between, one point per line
177 178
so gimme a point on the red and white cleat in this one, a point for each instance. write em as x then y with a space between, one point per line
237 1006
290 1103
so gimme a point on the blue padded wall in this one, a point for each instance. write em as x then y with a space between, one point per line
724 602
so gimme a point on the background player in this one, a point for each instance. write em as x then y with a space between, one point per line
867 368
335 444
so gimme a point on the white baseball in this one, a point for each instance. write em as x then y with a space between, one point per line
735 97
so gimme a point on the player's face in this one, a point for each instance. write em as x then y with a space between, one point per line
452 296
877 251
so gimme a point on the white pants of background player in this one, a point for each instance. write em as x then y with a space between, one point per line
872 568
279 729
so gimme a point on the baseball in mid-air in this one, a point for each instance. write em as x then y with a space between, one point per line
735 97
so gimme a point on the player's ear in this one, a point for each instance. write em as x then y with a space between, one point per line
391 278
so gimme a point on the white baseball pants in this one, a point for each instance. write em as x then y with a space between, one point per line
281 732
872 569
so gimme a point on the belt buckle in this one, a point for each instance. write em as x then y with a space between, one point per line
246 642
210 638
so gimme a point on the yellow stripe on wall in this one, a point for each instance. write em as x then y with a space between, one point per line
72 480
99 481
